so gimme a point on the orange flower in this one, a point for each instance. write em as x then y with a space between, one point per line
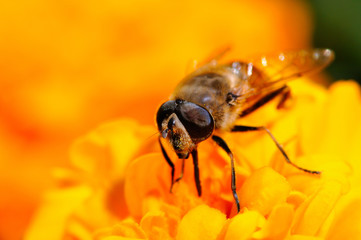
66 66
108 195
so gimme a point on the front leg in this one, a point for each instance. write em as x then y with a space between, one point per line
196 171
225 147
182 173
170 163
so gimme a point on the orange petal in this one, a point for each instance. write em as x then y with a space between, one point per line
102 151
145 176
200 223
163 223
127 229
155 225
147 185
119 238
264 189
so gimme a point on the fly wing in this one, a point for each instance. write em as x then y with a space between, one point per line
283 67
269 73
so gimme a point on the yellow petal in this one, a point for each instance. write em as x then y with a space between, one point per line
242 226
347 224
303 237
312 214
342 118
106 151
57 208
277 224
332 167
354 159
78 230
296 198
264 189
201 223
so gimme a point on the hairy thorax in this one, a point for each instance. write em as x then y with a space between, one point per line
212 91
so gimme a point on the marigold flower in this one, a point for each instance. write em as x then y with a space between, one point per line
69 65
118 187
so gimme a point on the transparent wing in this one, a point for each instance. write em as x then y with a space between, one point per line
285 66
268 73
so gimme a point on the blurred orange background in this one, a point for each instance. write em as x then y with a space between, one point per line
66 66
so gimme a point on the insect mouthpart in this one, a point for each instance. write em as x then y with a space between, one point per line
183 155
173 130
170 125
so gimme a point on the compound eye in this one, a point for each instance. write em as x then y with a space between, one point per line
164 112
197 120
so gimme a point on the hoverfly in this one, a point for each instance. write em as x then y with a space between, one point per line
215 95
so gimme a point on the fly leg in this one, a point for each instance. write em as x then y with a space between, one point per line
196 171
241 128
285 91
181 175
220 142
286 94
170 163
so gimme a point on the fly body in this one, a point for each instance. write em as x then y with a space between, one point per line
215 95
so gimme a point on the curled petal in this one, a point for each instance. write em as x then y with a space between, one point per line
155 225
102 152
145 176
277 224
296 198
127 229
348 222
242 226
161 224
311 215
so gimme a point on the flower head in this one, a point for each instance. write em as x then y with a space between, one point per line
67 66
118 187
